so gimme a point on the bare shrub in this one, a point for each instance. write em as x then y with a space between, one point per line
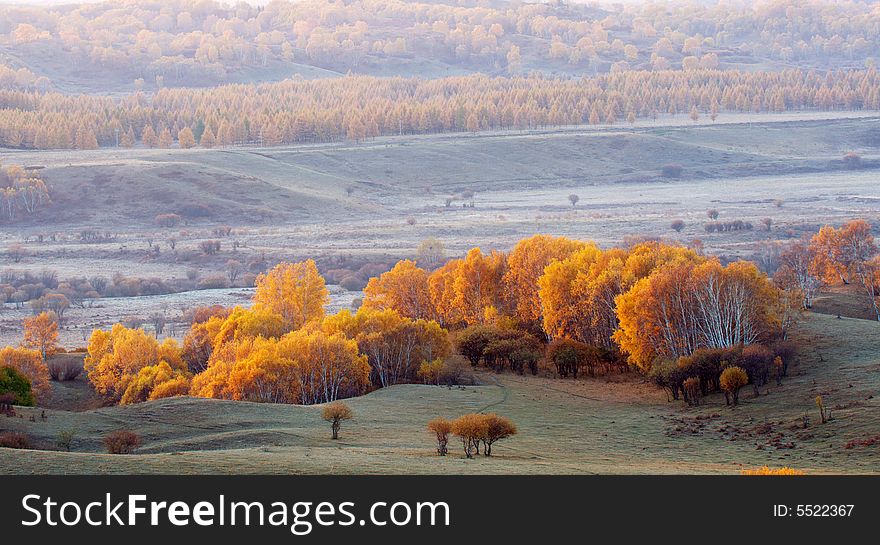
677 225
852 160
209 247
672 171
63 367
215 281
65 440
14 439
121 442
168 220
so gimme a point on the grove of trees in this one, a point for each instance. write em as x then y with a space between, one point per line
359 107
187 42
689 322
22 193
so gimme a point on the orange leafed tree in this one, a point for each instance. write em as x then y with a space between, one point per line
395 345
30 364
683 306
116 357
525 264
477 285
41 334
296 291
441 288
829 258
563 315
301 367
848 253
404 289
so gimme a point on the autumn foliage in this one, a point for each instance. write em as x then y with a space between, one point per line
41 334
481 429
441 428
126 365
765 470
30 364
335 413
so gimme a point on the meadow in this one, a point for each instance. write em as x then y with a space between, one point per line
619 424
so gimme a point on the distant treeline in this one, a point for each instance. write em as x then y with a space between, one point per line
194 42
359 107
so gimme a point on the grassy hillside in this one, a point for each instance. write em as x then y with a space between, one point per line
617 425
246 186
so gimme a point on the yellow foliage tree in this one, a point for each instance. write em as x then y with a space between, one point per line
395 346
404 289
116 357
30 364
525 265
296 291
41 334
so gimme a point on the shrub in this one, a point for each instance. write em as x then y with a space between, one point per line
473 340
65 367
570 356
677 225
29 363
215 281
732 379
15 388
756 360
691 389
121 442
14 439
852 160
504 351
352 283
667 374
209 247
672 171
335 413
431 371
441 428
786 351
168 220
65 440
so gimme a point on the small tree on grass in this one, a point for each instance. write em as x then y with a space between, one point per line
335 413
470 428
496 428
441 428
677 225
121 442
732 379
573 199
474 429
